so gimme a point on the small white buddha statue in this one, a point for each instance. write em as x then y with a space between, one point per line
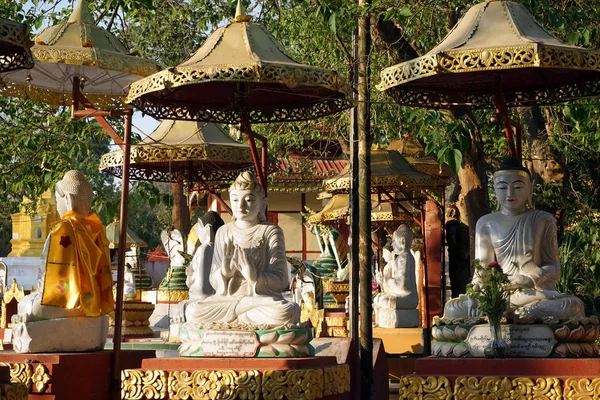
198 273
129 283
249 270
396 305
523 241
69 311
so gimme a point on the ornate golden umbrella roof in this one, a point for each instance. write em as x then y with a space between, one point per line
390 171
497 45
412 151
186 150
241 72
14 46
112 234
78 48
337 208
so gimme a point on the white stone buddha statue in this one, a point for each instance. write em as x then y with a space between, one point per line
68 312
524 242
396 305
249 270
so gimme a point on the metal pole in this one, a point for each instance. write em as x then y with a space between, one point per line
365 250
116 359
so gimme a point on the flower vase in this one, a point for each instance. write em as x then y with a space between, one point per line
497 347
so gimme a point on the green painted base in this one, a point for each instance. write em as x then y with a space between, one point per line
276 343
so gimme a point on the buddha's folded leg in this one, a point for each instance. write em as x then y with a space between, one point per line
218 309
268 311
561 307
457 307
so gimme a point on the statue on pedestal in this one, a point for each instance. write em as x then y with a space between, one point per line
396 305
247 315
69 311
249 270
523 241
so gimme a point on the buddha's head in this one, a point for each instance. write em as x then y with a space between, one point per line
247 197
513 186
402 239
73 193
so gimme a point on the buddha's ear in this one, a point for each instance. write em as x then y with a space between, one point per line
69 201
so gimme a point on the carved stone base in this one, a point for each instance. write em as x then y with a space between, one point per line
136 322
338 290
245 343
548 378
536 340
388 318
226 378
61 335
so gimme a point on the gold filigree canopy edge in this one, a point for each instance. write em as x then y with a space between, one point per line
14 46
531 74
390 183
189 112
60 99
181 162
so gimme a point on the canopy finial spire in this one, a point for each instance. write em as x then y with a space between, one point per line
81 13
240 13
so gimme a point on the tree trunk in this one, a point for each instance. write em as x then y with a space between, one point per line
181 212
546 164
473 200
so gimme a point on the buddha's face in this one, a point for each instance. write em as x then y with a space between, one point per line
399 244
512 190
246 205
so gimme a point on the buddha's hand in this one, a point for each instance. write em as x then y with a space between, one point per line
246 268
228 269
529 277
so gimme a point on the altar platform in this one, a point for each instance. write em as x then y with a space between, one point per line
67 376
467 378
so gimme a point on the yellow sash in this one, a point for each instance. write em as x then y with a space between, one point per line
78 272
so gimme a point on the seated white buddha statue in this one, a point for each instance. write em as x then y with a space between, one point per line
524 242
75 282
396 305
249 270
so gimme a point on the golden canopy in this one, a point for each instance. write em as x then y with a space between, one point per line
241 72
186 150
14 46
78 48
389 171
338 208
496 46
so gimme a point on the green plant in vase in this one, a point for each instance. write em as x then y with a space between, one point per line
490 290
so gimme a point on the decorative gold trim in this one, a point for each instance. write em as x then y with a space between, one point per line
13 391
493 387
230 384
20 373
171 296
342 184
14 293
582 388
227 384
14 46
293 384
41 378
138 384
489 59
417 387
160 163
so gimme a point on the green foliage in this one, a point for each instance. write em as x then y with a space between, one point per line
490 288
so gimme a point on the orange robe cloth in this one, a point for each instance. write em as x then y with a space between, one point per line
78 272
